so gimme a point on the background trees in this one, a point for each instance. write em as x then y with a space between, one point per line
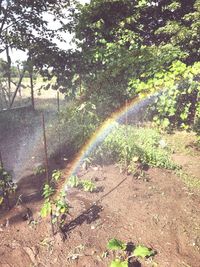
23 27
124 45
121 46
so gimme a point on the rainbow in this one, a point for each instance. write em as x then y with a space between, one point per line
119 116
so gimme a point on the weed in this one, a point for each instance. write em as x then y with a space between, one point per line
39 170
86 185
56 208
191 181
125 253
56 175
73 181
128 146
7 186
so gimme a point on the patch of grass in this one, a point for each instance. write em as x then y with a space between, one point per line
129 146
191 181
182 142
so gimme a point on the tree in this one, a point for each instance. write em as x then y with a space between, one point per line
123 40
23 27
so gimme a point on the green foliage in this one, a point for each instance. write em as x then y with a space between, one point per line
86 185
139 251
55 207
7 186
118 263
78 122
61 206
118 46
177 105
46 209
73 181
143 252
47 191
40 170
56 175
115 244
128 145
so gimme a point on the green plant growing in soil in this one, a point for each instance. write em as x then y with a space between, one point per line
7 186
56 208
73 181
86 185
128 145
39 170
124 255
56 175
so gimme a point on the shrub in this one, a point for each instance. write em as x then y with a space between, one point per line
127 145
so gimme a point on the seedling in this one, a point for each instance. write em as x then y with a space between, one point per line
56 175
139 251
73 181
115 244
88 186
55 208
119 263
6 187
39 170
143 252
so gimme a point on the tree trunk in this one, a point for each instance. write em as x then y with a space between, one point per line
32 89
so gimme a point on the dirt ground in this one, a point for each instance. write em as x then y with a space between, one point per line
159 211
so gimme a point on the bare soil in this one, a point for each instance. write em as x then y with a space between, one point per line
158 211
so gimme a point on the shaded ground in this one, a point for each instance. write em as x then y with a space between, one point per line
159 211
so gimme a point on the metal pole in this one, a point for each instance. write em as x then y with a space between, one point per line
1 160
58 102
45 150
59 135
126 136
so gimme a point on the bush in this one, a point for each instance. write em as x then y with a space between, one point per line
77 123
127 145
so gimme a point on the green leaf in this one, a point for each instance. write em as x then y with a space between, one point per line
56 175
118 263
143 252
73 181
46 209
115 244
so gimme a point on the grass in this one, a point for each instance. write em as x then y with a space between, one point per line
182 142
190 181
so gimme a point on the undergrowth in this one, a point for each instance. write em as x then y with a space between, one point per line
128 146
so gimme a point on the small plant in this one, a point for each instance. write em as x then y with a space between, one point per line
73 181
124 253
56 175
56 208
39 170
7 186
119 263
143 252
130 146
88 185
115 244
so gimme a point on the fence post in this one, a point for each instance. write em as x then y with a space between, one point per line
45 150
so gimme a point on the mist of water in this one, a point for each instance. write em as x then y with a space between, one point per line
23 151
